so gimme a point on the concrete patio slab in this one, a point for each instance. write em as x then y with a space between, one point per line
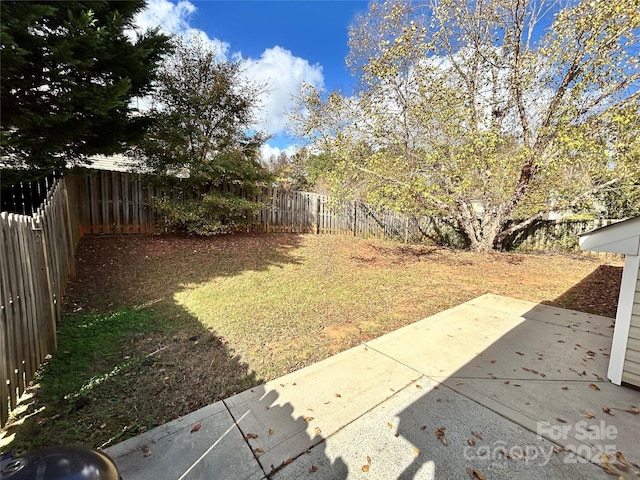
523 377
398 440
173 451
293 413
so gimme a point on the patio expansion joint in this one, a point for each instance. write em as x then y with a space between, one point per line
343 427
494 405
244 437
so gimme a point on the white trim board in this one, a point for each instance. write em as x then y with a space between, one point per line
623 318
622 238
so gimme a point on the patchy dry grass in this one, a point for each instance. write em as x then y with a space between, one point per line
158 326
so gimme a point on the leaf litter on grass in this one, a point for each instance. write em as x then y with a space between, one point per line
229 312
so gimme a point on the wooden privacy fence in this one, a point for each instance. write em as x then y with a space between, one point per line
120 203
37 260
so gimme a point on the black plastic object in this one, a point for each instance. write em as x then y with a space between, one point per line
61 463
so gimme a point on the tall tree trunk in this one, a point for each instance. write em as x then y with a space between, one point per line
483 235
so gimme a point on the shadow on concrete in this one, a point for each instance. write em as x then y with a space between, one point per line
271 429
216 442
542 368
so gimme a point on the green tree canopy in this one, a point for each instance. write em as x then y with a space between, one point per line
68 75
202 144
468 109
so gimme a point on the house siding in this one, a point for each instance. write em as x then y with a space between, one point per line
631 370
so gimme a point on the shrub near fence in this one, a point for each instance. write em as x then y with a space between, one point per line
37 260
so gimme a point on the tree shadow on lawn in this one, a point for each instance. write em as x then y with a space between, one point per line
136 359
137 269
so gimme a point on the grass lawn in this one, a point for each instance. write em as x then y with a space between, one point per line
158 326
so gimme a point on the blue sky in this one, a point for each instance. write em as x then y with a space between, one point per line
285 42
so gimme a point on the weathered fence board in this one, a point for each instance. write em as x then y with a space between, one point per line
37 258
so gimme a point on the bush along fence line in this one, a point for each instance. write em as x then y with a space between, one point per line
37 258
111 202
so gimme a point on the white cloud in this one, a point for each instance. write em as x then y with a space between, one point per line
170 18
174 19
267 152
282 73
277 68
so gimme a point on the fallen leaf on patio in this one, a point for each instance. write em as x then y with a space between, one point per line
506 382
259 450
604 459
593 386
621 459
423 427
475 474
477 435
416 451
309 409
196 427
517 385
440 432
418 386
271 431
565 388
365 468
389 425
557 448
607 410
438 400
308 419
444 441
525 369
633 410
317 430
520 353
561 341
543 375
289 460
146 451
471 442
338 395
368 459
396 435
251 436
493 361
561 420
588 415
313 469
517 454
